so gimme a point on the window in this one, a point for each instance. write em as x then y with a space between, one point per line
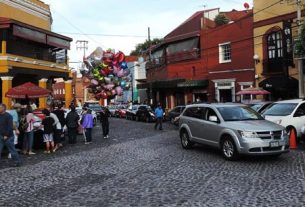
195 112
275 45
225 53
209 113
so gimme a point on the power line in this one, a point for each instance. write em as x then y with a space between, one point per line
107 35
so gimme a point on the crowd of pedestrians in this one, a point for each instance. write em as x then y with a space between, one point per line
19 124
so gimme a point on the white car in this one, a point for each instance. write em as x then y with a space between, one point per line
289 113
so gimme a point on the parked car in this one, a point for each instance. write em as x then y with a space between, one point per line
131 112
145 113
120 112
94 106
174 113
288 113
260 106
234 128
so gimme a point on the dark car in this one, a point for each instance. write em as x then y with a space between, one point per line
260 106
145 113
175 112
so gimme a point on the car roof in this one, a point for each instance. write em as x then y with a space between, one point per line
216 104
291 101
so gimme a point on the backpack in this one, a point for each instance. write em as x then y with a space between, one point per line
23 124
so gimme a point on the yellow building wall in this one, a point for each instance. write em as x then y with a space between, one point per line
22 16
277 9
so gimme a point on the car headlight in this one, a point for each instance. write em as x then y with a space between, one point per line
152 114
247 134
279 121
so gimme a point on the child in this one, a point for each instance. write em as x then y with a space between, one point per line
87 124
48 131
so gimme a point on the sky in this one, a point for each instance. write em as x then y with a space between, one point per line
121 24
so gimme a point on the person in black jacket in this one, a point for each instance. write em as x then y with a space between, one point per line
59 112
105 113
72 122
7 135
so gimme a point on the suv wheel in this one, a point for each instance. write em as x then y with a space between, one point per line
228 149
185 140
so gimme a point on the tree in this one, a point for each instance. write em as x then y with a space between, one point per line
143 47
299 46
221 19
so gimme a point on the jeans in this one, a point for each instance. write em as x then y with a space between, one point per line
28 139
9 143
159 122
88 134
72 133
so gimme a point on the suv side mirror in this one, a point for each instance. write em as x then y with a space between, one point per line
213 118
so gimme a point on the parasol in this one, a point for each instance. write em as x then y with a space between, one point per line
27 90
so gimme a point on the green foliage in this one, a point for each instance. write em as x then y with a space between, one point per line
299 45
143 47
221 19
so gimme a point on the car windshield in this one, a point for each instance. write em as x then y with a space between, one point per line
280 109
239 113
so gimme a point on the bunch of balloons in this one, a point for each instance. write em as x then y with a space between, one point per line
108 73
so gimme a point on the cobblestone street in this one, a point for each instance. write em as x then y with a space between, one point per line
140 166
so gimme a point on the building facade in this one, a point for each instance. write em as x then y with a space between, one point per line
274 35
30 51
200 61
228 57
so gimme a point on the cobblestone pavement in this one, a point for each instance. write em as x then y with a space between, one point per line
140 166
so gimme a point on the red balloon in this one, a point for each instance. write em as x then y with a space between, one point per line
246 5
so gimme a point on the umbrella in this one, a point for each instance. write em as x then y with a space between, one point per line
27 90
253 91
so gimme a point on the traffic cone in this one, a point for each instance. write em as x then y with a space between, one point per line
292 139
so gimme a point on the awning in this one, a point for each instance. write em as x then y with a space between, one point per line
161 84
193 83
279 82
253 91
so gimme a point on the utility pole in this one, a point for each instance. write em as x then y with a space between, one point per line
300 59
82 45
150 84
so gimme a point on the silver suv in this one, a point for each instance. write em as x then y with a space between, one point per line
233 128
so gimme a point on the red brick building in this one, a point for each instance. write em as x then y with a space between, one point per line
228 56
189 64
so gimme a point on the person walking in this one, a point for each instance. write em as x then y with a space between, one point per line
15 114
57 131
159 116
28 136
104 114
87 124
72 124
48 131
7 134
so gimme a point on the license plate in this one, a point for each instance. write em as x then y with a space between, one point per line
274 144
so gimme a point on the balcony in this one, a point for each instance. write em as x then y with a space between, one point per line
276 66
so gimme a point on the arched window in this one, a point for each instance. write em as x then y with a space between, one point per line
275 45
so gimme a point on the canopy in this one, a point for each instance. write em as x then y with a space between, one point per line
253 91
27 90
